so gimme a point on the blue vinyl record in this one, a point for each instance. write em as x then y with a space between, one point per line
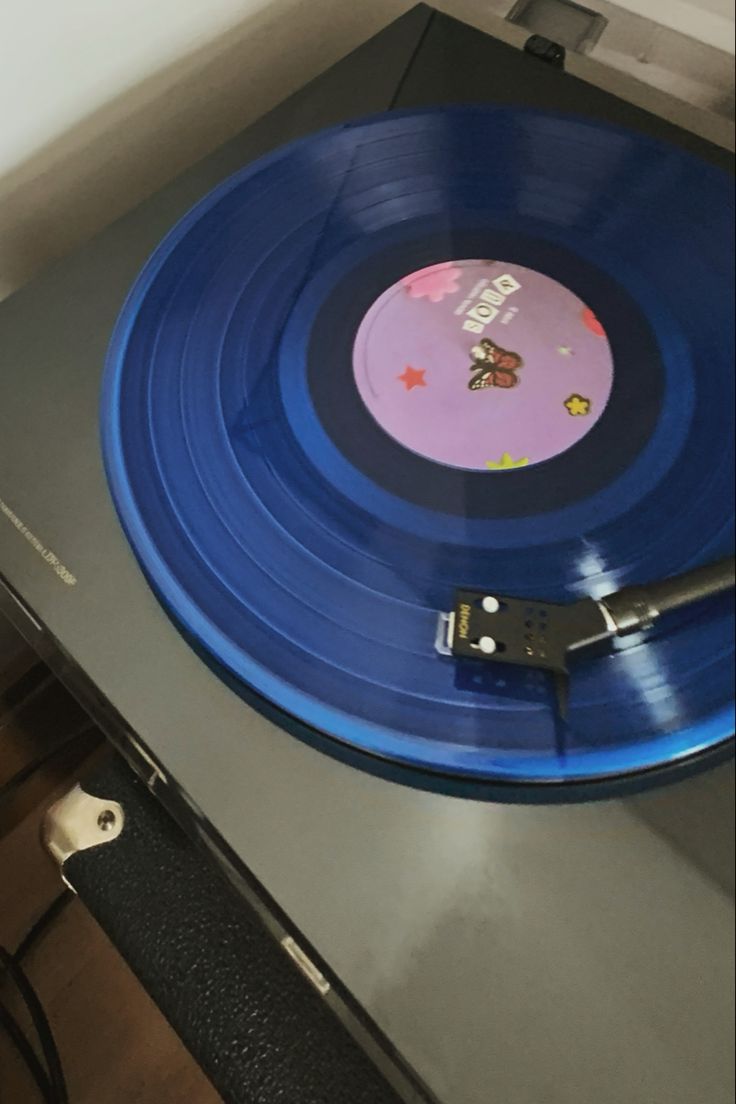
462 347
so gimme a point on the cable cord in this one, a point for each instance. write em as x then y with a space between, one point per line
46 1087
28 1056
40 1023
50 1085
39 927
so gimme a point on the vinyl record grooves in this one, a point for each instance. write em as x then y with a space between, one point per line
309 453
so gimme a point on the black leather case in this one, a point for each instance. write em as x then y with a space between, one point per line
260 1030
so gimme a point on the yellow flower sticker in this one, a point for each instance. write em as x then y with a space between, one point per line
506 462
577 404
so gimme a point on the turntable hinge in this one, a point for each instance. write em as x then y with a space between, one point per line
78 821
546 50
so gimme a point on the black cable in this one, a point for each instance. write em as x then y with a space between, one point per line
40 1023
22 776
28 1056
47 917
17 1037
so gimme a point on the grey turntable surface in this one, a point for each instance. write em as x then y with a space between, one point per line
526 955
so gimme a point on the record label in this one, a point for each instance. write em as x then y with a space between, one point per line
483 365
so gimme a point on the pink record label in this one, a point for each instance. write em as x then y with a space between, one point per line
483 365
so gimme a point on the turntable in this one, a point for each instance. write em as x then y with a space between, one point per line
442 339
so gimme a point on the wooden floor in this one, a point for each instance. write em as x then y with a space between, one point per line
115 1046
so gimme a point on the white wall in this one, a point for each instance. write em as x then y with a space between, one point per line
105 100
62 60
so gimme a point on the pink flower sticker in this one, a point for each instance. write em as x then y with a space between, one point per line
433 283
592 323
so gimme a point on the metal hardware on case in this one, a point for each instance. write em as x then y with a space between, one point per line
107 820
79 821
305 964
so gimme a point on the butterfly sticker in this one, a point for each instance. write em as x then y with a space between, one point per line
494 366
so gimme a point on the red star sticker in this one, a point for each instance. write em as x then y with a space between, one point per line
413 377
